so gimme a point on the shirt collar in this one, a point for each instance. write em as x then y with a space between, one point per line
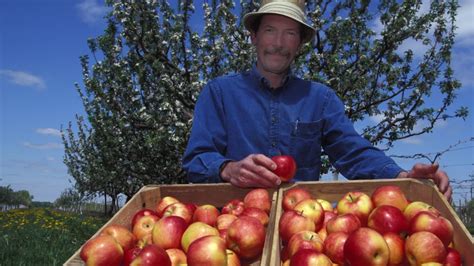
264 82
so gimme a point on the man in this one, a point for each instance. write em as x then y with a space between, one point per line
242 120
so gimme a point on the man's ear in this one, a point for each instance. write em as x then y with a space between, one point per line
253 37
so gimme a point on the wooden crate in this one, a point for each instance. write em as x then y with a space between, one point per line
215 194
415 190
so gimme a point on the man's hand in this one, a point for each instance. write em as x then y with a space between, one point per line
254 170
430 171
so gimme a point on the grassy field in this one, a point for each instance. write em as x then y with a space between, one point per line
42 236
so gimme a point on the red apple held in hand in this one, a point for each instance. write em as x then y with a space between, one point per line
121 234
258 198
167 232
286 167
346 223
396 246
261 215
235 207
434 223
152 255
224 220
453 258
293 196
102 250
415 207
366 247
195 231
304 240
163 203
208 250
387 218
309 257
357 203
334 246
178 209
422 247
389 195
144 226
177 256
142 212
246 237
206 213
292 222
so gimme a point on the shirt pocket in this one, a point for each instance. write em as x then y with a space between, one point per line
305 143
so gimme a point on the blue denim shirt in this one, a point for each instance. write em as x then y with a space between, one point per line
239 114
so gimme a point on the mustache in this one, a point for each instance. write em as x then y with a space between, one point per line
278 50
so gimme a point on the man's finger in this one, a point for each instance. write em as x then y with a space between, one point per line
420 170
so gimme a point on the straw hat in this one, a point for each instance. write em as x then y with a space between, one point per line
289 8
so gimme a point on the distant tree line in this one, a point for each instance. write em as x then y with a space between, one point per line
14 199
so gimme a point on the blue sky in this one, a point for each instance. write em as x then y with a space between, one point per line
40 45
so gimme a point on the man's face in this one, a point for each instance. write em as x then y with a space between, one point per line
278 41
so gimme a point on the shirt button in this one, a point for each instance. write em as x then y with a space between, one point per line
273 120
273 144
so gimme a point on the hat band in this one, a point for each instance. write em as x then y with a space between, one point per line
289 9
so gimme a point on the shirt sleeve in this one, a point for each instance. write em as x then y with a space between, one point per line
207 142
351 154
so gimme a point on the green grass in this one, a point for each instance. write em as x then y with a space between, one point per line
42 236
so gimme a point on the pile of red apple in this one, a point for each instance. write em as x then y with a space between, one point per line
381 229
178 233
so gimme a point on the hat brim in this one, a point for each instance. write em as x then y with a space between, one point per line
250 19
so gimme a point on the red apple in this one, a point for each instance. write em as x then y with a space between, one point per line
309 257
224 220
121 234
327 206
195 231
286 167
178 209
334 246
328 215
293 196
142 212
232 258
434 223
152 255
346 223
366 247
102 250
258 198
387 218
246 236
130 254
453 258
415 207
304 240
192 207
313 210
396 246
357 203
177 256
422 247
167 232
163 203
208 250
292 222
261 215
144 226
206 213
235 207
389 195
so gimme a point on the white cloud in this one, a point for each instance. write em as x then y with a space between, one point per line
23 78
465 29
91 11
46 146
49 131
